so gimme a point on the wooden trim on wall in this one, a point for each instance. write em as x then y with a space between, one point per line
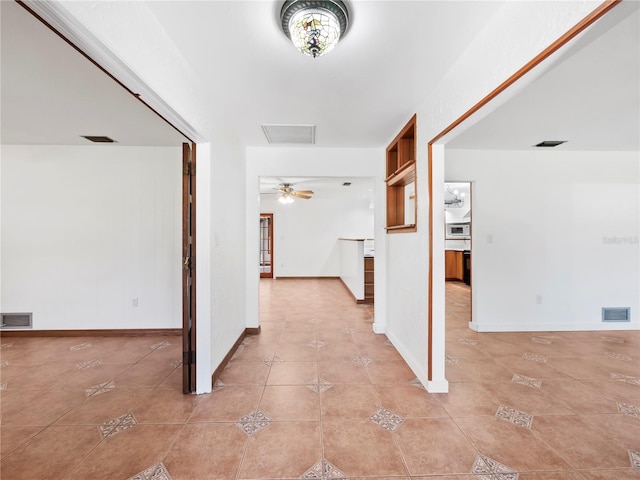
132 332
583 24
135 95
430 291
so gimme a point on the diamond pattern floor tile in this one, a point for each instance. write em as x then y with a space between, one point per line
321 386
630 410
514 416
486 468
626 378
272 361
154 472
541 340
451 360
364 361
254 422
386 419
534 357
80 346
634 457
88 364
526 381
117 425
417 383
101 388
324 470
618 356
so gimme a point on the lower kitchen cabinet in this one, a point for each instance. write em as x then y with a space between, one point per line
453 265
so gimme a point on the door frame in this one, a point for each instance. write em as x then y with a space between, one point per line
188 268
439 141
271 232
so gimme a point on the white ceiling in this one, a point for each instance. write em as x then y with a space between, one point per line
357 96
51 94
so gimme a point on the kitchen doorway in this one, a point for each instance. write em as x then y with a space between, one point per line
266 245
457 242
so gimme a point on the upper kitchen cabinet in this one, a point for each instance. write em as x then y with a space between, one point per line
401 178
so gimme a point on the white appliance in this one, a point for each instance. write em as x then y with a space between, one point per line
458 230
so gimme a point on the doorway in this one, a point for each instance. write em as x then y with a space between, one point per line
457 250
266 245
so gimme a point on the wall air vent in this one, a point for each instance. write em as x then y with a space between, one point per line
300 134
611 314
98 139
550 143
16 320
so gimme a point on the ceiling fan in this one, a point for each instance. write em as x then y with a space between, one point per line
287 193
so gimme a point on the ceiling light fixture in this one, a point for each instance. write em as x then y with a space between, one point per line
285 199
455 199
314 26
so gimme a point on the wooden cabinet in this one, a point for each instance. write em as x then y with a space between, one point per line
453 265
368 279
401 177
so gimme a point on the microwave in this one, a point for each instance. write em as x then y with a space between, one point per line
458 230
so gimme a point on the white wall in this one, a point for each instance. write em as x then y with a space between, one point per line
306 232
86 230
314 162
517 33
227 245
561 226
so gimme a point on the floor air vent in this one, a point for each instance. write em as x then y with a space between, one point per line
16 320
616 314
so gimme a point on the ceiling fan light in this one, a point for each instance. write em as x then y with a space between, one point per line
285 199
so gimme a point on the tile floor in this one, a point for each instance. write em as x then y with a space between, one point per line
318 395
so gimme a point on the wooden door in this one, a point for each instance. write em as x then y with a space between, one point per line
266 245
188 268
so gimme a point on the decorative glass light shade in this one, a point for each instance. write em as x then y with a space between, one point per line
314 27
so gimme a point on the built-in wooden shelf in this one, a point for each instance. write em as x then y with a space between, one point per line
401 174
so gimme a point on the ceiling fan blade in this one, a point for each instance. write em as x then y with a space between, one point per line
306 192
300 195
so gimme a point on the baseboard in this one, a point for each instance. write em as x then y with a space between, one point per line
127 332
253 330
552 327
227 358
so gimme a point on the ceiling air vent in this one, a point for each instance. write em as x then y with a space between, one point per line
611 314
98 139
300 134
16 320
550 143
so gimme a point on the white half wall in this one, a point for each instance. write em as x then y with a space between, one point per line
555 237
91 236
352 266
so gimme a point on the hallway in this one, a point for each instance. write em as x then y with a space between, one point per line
318 395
